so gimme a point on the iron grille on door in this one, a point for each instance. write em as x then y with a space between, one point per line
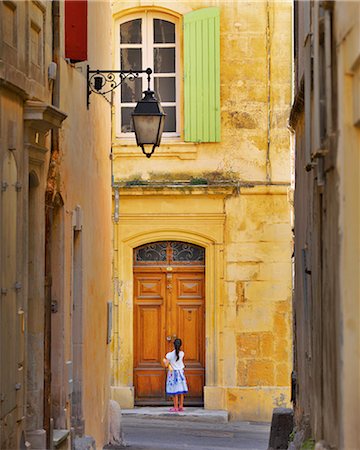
169 253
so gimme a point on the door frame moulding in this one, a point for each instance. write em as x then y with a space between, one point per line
122 357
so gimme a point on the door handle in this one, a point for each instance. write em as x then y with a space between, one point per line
169 338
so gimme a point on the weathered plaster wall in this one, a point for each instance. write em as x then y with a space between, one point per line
86 182
82 178
22 324
326 289
249 373
347 30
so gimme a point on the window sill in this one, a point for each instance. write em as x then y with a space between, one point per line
169 148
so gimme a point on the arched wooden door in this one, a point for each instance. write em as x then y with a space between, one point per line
169 302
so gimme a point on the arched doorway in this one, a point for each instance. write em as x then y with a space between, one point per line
169 302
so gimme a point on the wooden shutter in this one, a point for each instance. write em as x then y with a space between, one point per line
202 75
76 12
9 336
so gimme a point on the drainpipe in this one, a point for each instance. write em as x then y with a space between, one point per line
268 88
49 208
114 186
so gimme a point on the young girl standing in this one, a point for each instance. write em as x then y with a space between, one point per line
176 382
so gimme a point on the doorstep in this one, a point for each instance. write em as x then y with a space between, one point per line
190 413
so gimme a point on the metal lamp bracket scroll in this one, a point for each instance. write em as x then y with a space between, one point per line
148 116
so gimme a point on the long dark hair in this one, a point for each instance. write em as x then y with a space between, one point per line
177 345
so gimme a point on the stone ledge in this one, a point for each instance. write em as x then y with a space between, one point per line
59 436
167 149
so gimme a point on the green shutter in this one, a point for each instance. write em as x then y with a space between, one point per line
202 75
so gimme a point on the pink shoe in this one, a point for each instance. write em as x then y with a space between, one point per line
181 409
173 410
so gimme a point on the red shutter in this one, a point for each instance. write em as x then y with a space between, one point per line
76 30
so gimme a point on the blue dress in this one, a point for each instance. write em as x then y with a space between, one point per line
175 380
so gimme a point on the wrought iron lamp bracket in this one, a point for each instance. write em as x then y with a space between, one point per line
105 81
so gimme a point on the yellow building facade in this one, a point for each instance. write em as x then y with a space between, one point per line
225 193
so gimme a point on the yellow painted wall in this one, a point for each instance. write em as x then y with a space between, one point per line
86 181
242 217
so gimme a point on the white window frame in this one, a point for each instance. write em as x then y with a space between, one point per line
147 46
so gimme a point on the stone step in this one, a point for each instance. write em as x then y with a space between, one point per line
190 413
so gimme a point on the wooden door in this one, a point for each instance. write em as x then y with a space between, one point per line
169 302
187 318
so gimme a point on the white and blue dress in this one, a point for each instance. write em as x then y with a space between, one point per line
176 381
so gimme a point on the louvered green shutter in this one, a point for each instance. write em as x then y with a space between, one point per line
202 75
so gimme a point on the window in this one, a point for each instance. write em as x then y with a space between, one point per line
149 40
36 47
36 50
9 23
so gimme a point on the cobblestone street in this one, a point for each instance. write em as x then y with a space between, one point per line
159 434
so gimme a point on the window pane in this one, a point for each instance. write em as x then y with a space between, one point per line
184 252
170 119
130 32
164 32
165 89
126 121
130 59
131 90
154 252
164 60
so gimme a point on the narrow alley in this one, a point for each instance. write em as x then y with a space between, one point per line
179 224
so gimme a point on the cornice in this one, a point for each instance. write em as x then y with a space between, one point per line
43 116
221 189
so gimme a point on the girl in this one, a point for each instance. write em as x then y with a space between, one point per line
176 382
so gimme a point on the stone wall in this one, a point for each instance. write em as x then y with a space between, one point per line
326 297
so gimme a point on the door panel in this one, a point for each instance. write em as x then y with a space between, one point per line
189 286
195 380
189 322
169 302
149 320
188 316
149 330
149 385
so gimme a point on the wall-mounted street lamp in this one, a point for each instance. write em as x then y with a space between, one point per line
148 116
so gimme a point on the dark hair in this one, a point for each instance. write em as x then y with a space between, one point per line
177 345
